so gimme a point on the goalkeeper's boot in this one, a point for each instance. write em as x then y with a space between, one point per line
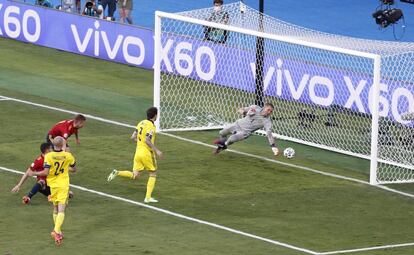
150 200
220 147
112 175
26 200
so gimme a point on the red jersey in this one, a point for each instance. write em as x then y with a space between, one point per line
37 166
64 129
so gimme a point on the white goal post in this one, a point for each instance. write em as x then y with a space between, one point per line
328 90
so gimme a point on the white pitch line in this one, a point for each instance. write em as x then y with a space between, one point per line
214 225
368 249
233 151
223 227
211 146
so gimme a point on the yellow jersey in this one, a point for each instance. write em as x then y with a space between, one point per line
145 128
58 163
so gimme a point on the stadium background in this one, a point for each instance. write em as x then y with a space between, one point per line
347 17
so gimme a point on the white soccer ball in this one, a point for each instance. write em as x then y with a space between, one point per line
289 152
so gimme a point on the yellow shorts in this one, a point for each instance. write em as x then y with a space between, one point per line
144 160
59 195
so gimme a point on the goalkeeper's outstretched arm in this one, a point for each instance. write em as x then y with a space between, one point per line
244 110
270 138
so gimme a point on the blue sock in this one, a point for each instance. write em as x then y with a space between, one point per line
34 190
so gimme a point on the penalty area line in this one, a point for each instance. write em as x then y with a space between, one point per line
181 216
308 169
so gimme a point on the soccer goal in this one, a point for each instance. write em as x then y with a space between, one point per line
333 92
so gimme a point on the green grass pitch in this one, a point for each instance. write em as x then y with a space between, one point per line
282 203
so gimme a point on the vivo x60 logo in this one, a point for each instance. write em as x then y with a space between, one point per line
18 24
355 93
96 37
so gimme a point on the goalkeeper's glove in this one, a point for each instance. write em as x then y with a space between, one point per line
275 149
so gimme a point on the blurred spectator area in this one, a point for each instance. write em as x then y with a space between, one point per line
317 15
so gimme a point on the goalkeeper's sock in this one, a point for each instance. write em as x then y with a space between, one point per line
127 174
34 190
150 186
59 221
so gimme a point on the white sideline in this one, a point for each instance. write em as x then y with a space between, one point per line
180 216
236 152
211 146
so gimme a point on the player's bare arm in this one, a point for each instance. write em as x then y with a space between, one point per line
134 135
152 146
77 139
73 169
22 180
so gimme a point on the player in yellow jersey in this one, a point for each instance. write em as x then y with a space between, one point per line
57 165
144 158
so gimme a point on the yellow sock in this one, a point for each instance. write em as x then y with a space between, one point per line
127 174
59 221
54 217
150 186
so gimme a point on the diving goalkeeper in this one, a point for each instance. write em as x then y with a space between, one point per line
255 118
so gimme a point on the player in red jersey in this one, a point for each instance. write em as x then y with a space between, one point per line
36 166
66 128
41 184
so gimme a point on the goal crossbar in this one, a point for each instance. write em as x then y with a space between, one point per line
160 14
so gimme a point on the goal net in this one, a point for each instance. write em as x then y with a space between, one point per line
333 92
